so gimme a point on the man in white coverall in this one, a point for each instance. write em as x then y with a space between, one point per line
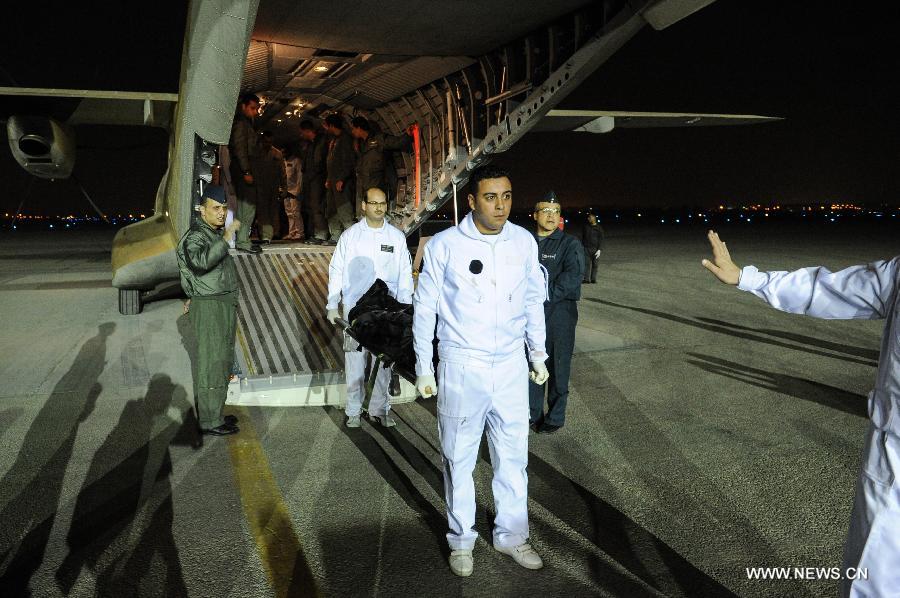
369 249
870 291
482 283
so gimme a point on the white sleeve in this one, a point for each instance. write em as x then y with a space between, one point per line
426 301
535 295
336 273
857 292
405 281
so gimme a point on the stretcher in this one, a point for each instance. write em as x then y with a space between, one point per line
382 357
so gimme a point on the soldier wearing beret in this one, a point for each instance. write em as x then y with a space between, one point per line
209 278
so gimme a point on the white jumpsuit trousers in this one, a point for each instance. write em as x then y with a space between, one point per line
475 396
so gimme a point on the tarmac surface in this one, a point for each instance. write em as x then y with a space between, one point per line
705 434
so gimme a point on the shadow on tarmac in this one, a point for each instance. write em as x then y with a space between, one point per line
665 472
807 390
627 543
7 417
850 353
802 339
31 506
394 475
127 494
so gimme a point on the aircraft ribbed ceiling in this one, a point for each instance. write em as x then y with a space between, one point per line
404 27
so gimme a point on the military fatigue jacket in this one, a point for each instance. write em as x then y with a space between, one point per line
206 267
370 169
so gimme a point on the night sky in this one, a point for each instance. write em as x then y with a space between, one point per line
828 68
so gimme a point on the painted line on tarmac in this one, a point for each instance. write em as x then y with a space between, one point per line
266 512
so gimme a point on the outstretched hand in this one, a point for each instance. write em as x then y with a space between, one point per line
721 265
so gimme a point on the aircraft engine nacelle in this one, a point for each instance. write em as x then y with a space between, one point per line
42 146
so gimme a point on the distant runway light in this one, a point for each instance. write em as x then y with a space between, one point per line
677 221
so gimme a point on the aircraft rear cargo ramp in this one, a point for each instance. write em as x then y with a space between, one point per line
287 351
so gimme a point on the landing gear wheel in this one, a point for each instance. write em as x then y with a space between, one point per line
130 302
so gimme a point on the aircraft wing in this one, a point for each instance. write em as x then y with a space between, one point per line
100 107
604 121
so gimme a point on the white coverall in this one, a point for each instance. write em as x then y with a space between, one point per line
363 254
860 292
485 321
294 177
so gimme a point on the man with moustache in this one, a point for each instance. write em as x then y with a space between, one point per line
370 249
482 286
209 278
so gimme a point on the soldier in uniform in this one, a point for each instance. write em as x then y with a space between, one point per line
340 166
244 151
592 241
270 184
292 193
374 164
562 257
314 173
209 278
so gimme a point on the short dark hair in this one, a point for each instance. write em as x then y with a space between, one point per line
488 171
360 122
248 97
334 120
307 125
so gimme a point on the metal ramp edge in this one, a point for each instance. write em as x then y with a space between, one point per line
290 355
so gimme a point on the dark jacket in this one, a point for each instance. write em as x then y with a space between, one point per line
562 256
341 162
270 174
242 146
206 267
373 163
592 238
314 161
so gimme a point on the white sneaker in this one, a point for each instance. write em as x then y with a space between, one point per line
353 421
523 554
461 562
386 420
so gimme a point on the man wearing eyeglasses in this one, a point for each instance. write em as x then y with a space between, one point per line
369 249
563 258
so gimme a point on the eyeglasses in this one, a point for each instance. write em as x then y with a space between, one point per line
548 210
376 204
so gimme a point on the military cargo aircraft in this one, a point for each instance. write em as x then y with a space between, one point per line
472 78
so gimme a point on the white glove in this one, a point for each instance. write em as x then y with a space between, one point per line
332 315
539 373
427 386
596 255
